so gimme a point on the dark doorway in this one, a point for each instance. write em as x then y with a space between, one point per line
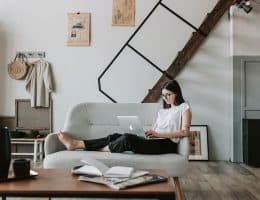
251 142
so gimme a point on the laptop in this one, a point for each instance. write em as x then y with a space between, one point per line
132 124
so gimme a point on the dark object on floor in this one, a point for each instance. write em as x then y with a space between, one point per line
21 168
32 134
5 153
35 134
18 134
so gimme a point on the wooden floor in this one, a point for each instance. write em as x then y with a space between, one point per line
221 180
218 180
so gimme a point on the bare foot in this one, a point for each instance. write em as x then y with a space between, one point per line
70 143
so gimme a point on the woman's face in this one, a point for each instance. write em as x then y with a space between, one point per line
168 96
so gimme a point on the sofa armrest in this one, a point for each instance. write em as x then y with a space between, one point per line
52 144
184 146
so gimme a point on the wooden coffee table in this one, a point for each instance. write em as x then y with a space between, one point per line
61 183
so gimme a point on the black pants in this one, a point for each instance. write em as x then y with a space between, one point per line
118 143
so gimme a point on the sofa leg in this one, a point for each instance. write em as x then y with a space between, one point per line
178 192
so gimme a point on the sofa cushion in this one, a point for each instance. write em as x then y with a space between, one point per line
174 164
95 120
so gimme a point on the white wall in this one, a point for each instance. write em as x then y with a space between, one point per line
41 25
245 31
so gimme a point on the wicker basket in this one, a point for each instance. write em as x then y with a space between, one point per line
17 69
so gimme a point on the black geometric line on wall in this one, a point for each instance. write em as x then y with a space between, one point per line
139 53
149 61
184 20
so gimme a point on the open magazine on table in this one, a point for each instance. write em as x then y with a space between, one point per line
117 177
126 183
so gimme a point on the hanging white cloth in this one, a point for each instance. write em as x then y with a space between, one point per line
39 83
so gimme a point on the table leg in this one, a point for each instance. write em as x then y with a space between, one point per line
3 197
178 191
35 150
41 150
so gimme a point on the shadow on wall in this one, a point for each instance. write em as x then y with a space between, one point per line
3 61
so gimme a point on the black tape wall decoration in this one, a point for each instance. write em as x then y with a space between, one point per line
127 45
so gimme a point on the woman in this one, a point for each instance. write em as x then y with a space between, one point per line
173 122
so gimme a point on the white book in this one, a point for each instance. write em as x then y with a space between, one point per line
97 168
119 171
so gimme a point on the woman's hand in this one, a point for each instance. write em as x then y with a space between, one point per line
151 134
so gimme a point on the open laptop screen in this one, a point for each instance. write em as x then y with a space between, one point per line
131 124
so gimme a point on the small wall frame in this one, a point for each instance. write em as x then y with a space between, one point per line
199 142
78 29
28 118
123 13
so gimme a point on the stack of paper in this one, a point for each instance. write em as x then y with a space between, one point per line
125 183
117 177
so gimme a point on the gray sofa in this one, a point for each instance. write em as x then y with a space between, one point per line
94 120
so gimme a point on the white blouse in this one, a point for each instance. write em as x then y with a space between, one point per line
169 120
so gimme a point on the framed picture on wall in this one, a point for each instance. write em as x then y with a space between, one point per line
78 29
123 13
199 142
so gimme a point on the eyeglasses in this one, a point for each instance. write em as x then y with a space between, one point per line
167 95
